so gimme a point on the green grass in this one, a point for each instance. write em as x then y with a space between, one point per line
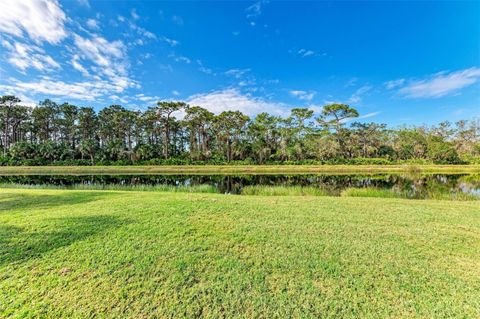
116 254
264 190
240 169
371 192
141 187
390 193
254 190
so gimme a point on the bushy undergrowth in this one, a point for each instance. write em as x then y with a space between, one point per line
8 161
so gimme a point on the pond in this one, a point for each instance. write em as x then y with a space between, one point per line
415 187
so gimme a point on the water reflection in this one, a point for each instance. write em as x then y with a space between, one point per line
414 186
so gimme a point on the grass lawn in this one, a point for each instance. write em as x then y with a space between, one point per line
240 169
114 254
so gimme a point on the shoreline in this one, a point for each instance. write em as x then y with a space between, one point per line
239 169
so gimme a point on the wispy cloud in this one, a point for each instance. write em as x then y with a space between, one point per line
145 98
104 63
305 52
84 3
142 31
42 20
107 62
204 69
437 85
79 67
177 20
93 24
368 115
24 56
237 73
394 83
303 95
134 14
255 9
171 42
356 97
86 90
361 117
179 58
108 56
308 53
351 82
233 99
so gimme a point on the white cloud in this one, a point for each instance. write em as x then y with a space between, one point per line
24 56
92 24
109 57
42 20
142 32
255 9
177 20
87 90
233 100
441 84
303 95
361 117
351 82
171 42
134 14
368 115
204 69
100 50
237 73
122 99
394 83
84 3
304 52
77 66
166 68
357 95
144 98
273 81
180 58
104 62
175 92
248 82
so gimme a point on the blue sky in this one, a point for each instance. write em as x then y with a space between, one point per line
396 62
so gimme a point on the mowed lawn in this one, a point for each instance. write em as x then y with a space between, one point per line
113 254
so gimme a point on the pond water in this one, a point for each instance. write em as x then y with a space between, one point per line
421 186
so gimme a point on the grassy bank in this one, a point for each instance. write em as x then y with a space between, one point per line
239 169
118 187
113 254
261 190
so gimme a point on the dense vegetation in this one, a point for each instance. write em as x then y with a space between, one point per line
69 135
84 254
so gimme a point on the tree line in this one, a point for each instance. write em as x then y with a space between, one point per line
66 134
